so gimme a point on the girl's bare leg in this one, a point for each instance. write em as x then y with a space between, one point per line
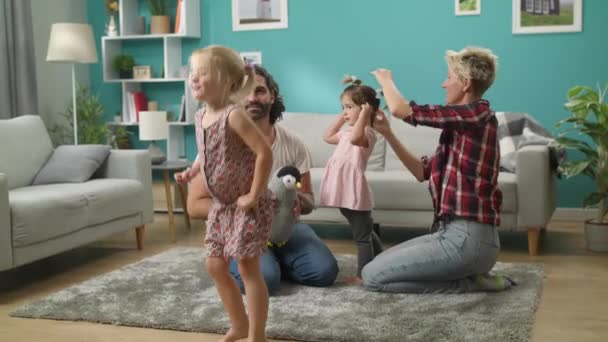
231 298
256 294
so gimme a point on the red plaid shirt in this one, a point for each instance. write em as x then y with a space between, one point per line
463 172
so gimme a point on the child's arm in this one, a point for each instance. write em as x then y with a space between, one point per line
331 135
253 138
397 104
358 136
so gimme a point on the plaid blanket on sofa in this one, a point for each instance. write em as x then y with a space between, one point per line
516 130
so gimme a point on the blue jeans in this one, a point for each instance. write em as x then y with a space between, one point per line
304 259
441 262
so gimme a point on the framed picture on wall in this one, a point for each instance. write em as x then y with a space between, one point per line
467 7
259 15
547 16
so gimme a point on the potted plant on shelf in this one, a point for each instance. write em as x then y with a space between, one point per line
589 117
159 20
123 64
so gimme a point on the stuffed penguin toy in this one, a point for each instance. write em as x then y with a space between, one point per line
284 184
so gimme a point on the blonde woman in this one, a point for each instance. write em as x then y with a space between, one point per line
462 180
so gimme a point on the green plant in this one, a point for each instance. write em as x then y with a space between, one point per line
157 7
118 137
582 102
92 128
123 63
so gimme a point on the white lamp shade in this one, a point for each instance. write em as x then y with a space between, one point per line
153 125
70 42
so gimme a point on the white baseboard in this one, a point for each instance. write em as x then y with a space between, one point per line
573 214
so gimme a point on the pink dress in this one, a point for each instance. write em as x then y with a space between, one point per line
344 184
227 166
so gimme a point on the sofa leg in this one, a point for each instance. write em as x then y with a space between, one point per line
139 235
533 241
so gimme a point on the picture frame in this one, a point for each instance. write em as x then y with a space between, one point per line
467 7
142 72
250 15
547 16
252 57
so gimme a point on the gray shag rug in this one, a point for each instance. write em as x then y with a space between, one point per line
171 290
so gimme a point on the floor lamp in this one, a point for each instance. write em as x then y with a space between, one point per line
72 43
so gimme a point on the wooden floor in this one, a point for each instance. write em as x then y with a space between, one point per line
574 305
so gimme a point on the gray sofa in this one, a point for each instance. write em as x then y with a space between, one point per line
529 194
37 221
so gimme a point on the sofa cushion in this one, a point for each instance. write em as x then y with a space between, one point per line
399 190
24 147
310 127
43 212
72 164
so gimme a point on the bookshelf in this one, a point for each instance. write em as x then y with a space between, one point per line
173 73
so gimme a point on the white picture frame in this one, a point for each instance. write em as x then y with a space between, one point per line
248 15
462 7
529 16
252 57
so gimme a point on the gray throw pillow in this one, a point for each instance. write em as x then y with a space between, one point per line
72 164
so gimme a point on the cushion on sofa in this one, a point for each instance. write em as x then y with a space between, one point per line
24 148
72 164
69 207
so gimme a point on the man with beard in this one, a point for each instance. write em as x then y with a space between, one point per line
304 258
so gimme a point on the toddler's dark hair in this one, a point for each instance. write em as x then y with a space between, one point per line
361 94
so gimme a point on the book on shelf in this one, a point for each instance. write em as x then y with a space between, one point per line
182 108
180 15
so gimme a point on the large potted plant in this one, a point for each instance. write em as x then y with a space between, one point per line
92 128
159 20
589 118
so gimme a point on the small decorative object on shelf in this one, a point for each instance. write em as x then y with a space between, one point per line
123 64
140 25
142 72
112 9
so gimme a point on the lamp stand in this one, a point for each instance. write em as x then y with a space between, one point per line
74 109
156 154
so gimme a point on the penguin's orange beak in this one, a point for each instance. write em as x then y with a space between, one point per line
298 185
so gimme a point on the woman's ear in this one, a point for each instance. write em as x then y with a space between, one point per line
467 86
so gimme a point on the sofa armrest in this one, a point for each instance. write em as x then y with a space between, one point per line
6 240
132 164
536 187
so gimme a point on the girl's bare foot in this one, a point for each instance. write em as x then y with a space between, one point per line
234 335
354 280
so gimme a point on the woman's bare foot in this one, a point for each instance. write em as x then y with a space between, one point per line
354 280
234 335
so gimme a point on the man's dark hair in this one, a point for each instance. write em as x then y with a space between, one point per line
278 107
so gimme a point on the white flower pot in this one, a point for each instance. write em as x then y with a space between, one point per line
596 236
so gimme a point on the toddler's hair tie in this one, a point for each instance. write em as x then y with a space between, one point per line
379 93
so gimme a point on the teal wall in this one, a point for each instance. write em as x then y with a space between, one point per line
327 39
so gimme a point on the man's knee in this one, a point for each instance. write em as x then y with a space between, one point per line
328 273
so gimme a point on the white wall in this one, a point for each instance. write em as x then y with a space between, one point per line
55 79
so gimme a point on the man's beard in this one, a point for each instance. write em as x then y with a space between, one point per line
258 110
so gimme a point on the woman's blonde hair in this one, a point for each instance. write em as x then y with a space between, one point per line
227 70
476 64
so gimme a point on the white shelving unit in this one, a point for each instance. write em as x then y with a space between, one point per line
172 63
